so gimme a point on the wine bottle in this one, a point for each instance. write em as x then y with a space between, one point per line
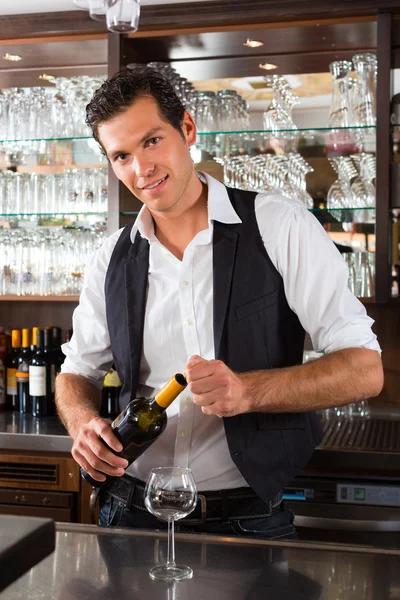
141 423
51 373
58 354
39 378
110 395
22 374
33 345
3 355
11 365
2 385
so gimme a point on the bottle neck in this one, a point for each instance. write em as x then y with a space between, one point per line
170 391
39 341
157 408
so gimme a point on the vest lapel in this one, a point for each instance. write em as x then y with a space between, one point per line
224 251
136 278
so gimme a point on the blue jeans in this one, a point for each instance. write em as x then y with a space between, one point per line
277 526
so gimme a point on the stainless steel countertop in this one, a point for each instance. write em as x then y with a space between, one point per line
24 542
24 432
92 563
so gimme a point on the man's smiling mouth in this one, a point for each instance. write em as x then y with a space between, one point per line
155 184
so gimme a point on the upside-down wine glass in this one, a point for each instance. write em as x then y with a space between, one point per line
170 494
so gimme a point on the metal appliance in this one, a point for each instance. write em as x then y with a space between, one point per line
350 490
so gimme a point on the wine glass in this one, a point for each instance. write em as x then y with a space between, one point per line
170 494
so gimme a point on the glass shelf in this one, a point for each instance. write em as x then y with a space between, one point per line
324 215
15 298
58 214
56 139
313 210
205 133
300 130
337 210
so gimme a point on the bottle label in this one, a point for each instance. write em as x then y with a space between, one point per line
37 381
112 379
11 382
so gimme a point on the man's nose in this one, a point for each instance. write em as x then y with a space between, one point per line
143 167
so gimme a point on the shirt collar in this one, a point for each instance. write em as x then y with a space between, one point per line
219 209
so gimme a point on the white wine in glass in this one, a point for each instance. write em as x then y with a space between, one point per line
170 495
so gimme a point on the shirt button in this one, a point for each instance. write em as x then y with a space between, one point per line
189 322
184 433
185 282
188 399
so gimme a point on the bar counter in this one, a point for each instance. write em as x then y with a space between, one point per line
27 433
92 563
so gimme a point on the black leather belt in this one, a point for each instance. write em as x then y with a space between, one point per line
221 505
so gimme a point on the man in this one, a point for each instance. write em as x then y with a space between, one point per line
221 284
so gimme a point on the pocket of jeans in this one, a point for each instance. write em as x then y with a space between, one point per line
110 512
278 526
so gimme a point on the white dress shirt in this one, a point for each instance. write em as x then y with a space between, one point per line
179 321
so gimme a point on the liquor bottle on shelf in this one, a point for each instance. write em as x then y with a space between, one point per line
59 356
33 344
142 422
22 374
11 366
48 352
110 395
26 353
3 355
40 378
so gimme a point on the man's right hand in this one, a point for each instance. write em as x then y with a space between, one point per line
92 454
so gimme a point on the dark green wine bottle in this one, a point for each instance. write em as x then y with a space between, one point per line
110 395
141 423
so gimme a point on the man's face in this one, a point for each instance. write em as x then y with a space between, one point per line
149 155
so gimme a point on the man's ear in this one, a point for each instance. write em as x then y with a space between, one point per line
189 128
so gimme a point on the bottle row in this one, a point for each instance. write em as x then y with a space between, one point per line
30 360
28 368
73 191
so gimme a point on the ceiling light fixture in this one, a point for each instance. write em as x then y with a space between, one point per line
12 57
46 77
253 43
268 66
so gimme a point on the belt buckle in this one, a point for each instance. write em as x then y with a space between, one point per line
203 509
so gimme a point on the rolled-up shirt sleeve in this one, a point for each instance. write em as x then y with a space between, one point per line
315 276
88 353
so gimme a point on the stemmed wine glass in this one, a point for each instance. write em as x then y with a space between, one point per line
170 494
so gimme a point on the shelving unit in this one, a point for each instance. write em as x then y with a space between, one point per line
47 157
27 298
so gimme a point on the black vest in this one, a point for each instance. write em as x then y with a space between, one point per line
254 328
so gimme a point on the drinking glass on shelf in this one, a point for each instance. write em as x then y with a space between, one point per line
123 15
339 115
170 494
364 110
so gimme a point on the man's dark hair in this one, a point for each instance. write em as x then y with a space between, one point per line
120 91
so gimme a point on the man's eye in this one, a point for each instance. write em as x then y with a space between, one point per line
153 141
121 157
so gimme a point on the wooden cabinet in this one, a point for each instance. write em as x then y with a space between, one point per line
43 484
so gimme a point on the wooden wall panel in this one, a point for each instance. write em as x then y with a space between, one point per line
387 328
25 313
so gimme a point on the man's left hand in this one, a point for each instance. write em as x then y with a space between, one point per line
216 388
